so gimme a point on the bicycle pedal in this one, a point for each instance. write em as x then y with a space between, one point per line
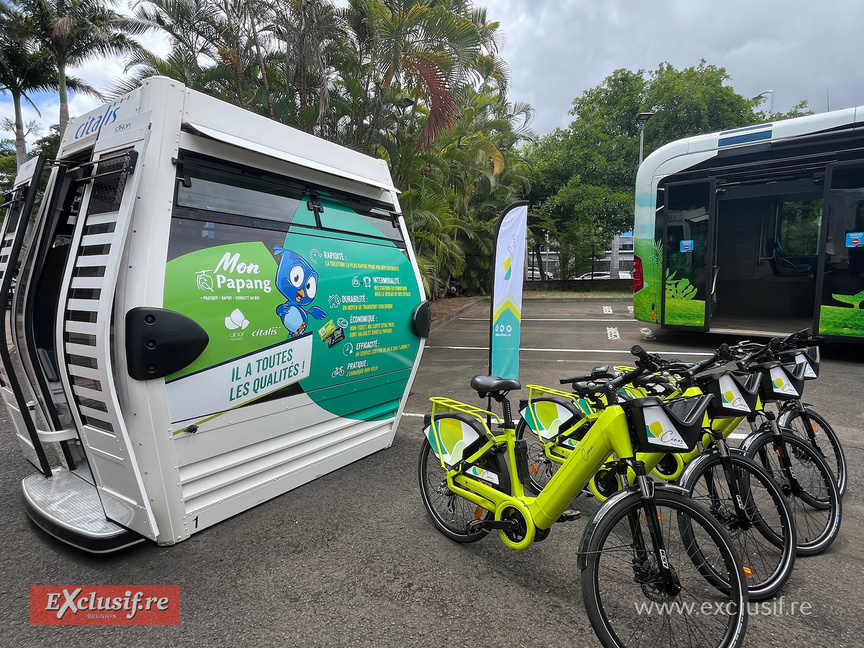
569 516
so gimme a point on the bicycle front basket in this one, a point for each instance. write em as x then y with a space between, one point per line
811 357
735 393
674 425
781 382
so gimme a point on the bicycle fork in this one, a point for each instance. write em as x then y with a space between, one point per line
808 425
782 453
732 482
668 582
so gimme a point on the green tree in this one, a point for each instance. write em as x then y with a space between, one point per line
192 28
418 82
48 145
582 177
800 109
306 31
23 69
8 165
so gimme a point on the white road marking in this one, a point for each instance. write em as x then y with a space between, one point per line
630 309
647 333
607 310
612 333
619 351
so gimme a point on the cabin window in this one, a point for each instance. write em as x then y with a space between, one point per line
227 199
219 203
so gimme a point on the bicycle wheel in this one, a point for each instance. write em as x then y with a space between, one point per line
626 601
810 491
540 467
766 540
824 440
449 512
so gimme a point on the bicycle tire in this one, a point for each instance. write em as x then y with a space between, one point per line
768 545
824 438
451 513
816 507
678 618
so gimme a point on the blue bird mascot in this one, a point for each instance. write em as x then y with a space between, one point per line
298 282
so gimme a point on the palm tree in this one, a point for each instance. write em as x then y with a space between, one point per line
189 24
306 28
220 47
77 30
179 65
387 77
25 69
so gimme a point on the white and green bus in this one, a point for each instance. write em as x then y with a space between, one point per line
209 309
758 230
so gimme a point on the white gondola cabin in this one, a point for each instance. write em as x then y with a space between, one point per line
208 310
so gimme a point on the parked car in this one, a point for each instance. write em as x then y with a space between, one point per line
594 275
622 274
533 274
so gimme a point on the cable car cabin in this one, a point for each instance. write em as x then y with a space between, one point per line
210 309
758 230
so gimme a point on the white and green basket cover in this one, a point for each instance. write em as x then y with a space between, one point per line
660 430
731 395
780 384
455 436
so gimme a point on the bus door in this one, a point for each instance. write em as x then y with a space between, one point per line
840 284
18 205
689 268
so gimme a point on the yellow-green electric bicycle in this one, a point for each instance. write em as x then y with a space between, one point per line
737 491
552 422
648 547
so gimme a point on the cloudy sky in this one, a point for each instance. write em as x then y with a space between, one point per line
557 49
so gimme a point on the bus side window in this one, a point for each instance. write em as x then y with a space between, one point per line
799 227
658 214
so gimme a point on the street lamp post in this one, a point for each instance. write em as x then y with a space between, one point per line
770 103
641 119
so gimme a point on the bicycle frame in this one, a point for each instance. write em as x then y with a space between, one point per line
559 453
609 434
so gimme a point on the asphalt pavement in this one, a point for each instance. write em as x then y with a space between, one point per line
351 560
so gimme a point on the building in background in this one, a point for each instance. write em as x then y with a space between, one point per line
618 261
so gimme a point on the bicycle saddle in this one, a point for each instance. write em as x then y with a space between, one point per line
485 385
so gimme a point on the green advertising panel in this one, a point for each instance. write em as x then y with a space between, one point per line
321 314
